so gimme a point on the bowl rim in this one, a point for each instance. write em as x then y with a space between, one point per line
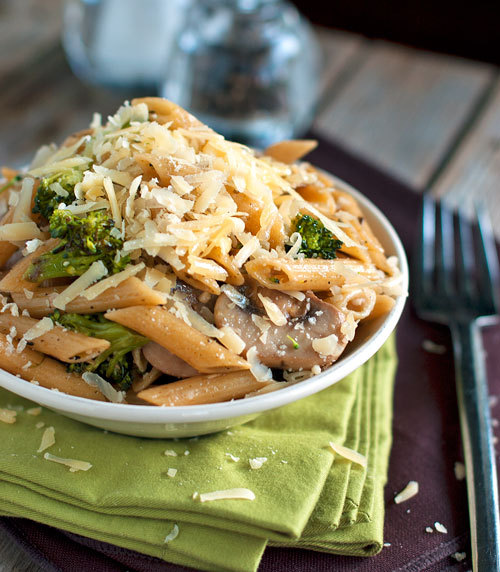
147 414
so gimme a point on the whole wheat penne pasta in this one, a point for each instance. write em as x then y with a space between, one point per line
383 305
291 150
234 275
7 249
8 173
373 251
203 389
14 281
47 372
201 282
65 345
168 112
163 327
130 292
146 380
319 196
358 301
307 274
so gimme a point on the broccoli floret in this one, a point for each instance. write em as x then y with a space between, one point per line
47 199
83 240
115 364
317 240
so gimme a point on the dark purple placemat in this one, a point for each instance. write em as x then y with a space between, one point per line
426 441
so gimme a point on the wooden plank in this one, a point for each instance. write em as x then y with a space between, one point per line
338 49
403 108
27 27
474 172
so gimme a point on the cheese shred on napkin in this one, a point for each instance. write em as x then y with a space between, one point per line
303 496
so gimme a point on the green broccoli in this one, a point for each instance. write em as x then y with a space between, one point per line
83 240
317 241
47 199
115 364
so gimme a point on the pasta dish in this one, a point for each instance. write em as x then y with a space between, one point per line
147 260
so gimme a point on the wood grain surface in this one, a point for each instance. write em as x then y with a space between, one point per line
403 108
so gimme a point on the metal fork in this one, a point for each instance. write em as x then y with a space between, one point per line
454 283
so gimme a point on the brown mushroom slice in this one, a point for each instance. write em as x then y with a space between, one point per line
167 362
311 324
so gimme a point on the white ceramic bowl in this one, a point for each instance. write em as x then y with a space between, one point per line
187 421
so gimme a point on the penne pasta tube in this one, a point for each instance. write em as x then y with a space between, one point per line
320 197
305 274
146 380
163 327
65 345
203 389
168 112
13 281
291 150
7 249
38 368
359 301
131 292
383 305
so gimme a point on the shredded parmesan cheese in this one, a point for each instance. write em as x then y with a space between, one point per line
22 212
40 328
407 493
349 454
73 464
48 439
459 469
228 494
35 411
96 271
258 370
440 528
7 416
326 346
109 392
231 339
172 535
112 281
257 462
20 231
275 314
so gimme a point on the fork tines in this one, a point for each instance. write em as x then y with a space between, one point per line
456 265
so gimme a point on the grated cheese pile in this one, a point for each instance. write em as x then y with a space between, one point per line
407 493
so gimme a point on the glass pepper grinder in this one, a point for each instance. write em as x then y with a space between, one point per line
248 68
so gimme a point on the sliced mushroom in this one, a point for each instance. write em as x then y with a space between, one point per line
166 361
289 346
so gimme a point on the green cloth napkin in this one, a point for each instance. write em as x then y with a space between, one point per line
306 496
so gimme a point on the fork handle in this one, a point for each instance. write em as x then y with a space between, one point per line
477 440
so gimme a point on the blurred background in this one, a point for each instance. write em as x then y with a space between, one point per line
468 29
412 87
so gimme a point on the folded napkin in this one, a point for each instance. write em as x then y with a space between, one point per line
306 496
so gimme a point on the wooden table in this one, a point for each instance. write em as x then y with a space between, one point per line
431 120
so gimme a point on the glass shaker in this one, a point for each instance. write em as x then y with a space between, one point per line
247 68
121 44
